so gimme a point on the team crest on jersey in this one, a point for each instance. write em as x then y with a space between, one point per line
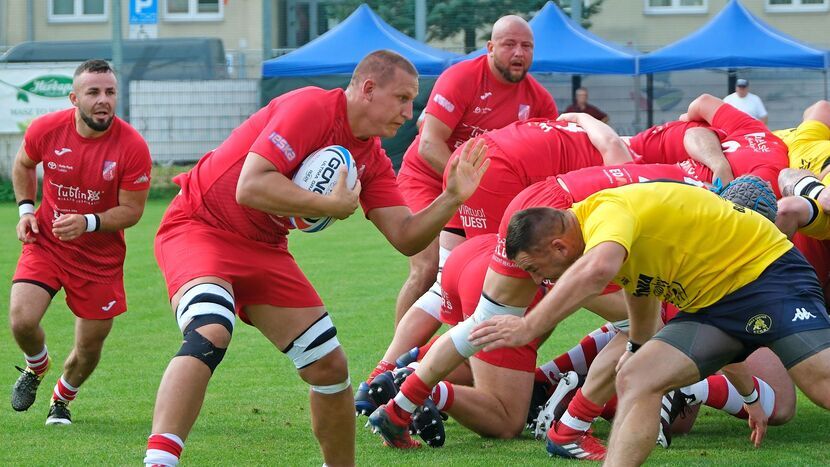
759 324
524 111
109 170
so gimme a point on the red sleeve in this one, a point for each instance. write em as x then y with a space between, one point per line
733 121
379 188
135 175
33 138
297 126
449 98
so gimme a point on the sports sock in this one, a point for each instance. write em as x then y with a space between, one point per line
38 363
163 449
422 350
580 357
609 409
412 394
382 366
577 419
443 395
64 391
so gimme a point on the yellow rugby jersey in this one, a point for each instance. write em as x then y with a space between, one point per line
808 145
686 245
819 227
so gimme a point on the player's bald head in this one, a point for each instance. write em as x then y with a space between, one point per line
381 66
529 228
510 25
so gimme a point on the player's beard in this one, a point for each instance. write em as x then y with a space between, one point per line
94 125
505 72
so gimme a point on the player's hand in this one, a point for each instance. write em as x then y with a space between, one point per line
344 200
684 117
569 117
68 227
501 331
467 169
27 228
757 422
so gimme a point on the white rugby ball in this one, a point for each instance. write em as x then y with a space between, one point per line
319 173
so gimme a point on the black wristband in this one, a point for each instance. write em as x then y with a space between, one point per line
97 222
25 201
632 346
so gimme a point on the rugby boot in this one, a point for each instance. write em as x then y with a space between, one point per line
428 423
382 388
24 390
59 414
583 446
394 434
410 356
557 403
363 403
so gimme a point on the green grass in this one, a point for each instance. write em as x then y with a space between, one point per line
256 411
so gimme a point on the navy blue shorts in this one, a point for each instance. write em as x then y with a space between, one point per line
785 299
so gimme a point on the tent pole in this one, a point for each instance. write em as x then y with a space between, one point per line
650 100
824 72
576 83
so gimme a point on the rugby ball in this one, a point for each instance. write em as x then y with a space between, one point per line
319 173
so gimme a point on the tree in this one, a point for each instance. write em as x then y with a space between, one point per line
446 18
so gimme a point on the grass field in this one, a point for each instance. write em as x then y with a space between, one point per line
256 412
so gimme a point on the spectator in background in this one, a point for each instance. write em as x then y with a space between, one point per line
581 105
747 102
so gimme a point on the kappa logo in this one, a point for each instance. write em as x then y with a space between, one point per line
759 324
62 151
802 314
486 95
108 306
142 179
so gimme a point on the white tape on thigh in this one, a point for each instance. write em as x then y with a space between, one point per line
333 388
485 310
185 312
430 302
299 350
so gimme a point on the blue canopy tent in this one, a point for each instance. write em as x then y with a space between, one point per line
564 46
339 50
734 38
329 60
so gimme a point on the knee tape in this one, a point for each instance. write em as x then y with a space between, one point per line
208 302
197 346
332 388
431 302
317 341
486 309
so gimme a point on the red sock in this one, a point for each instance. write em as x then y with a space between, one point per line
718 391
577 419
422 350
163 449
610 409
64 391
443 395
38 363
412 394
539 376
383 365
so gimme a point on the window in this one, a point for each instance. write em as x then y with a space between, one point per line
796 6
193 10
78 11
674 7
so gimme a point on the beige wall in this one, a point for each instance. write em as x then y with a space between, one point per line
240 28
624 22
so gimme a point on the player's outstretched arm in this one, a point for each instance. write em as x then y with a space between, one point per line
613 149
261 186
740 376
410 233
433 144
586 278
703 145
24 181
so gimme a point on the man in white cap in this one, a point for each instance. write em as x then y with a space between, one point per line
747 102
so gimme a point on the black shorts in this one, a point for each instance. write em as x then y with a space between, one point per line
782 309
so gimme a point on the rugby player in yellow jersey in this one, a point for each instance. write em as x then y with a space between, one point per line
739 283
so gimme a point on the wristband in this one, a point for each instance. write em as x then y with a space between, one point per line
809 187
26 206
632 347
93 222
752 397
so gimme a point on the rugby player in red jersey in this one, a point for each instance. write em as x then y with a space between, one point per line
96 176
222 245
